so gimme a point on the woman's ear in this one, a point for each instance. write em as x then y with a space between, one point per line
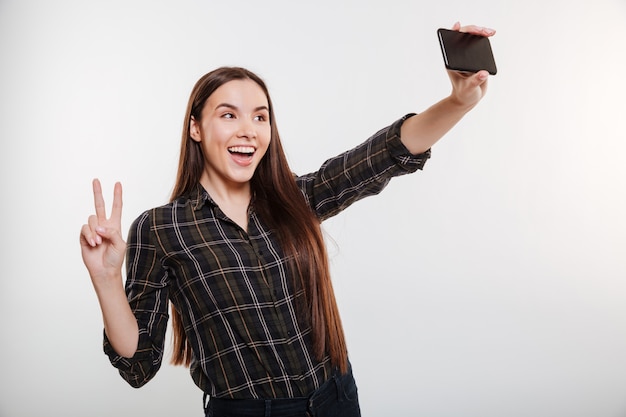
194 130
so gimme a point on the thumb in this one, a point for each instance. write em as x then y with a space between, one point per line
112 235
480 77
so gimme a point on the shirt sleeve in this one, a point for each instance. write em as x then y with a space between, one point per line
147 292
360 172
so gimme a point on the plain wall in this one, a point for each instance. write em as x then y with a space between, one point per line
490 284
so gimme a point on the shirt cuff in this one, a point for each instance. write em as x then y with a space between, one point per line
400 153
126 364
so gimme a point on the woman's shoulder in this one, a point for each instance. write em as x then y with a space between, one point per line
180 207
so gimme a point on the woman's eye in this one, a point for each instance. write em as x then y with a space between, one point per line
260 118
228 116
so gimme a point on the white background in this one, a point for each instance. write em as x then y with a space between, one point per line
493 283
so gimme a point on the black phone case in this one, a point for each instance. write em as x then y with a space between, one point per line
466 52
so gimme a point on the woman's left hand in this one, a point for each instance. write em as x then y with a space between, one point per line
420 132
468 89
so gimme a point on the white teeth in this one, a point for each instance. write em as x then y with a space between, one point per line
241 149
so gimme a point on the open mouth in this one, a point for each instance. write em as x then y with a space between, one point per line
242 155
242 150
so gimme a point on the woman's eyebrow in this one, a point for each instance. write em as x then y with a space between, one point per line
232 106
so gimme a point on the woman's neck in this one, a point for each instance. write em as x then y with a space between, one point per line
232 199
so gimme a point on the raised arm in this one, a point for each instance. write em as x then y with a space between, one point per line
419 133
103 251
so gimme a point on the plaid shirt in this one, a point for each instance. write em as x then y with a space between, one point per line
232 286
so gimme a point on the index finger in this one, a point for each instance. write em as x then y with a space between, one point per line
116 209
474 30
98 201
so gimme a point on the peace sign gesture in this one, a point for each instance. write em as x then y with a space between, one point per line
102 246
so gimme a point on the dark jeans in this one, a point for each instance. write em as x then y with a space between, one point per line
337 397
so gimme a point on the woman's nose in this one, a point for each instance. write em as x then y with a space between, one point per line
247 130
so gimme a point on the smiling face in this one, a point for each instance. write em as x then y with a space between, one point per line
234 133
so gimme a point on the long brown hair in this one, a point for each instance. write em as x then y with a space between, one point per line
280 203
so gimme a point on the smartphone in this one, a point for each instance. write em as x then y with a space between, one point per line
466 52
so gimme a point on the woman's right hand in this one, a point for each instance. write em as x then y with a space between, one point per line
102 246
103 251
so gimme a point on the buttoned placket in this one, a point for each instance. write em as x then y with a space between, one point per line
276 290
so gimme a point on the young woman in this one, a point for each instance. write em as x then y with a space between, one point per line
239 256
